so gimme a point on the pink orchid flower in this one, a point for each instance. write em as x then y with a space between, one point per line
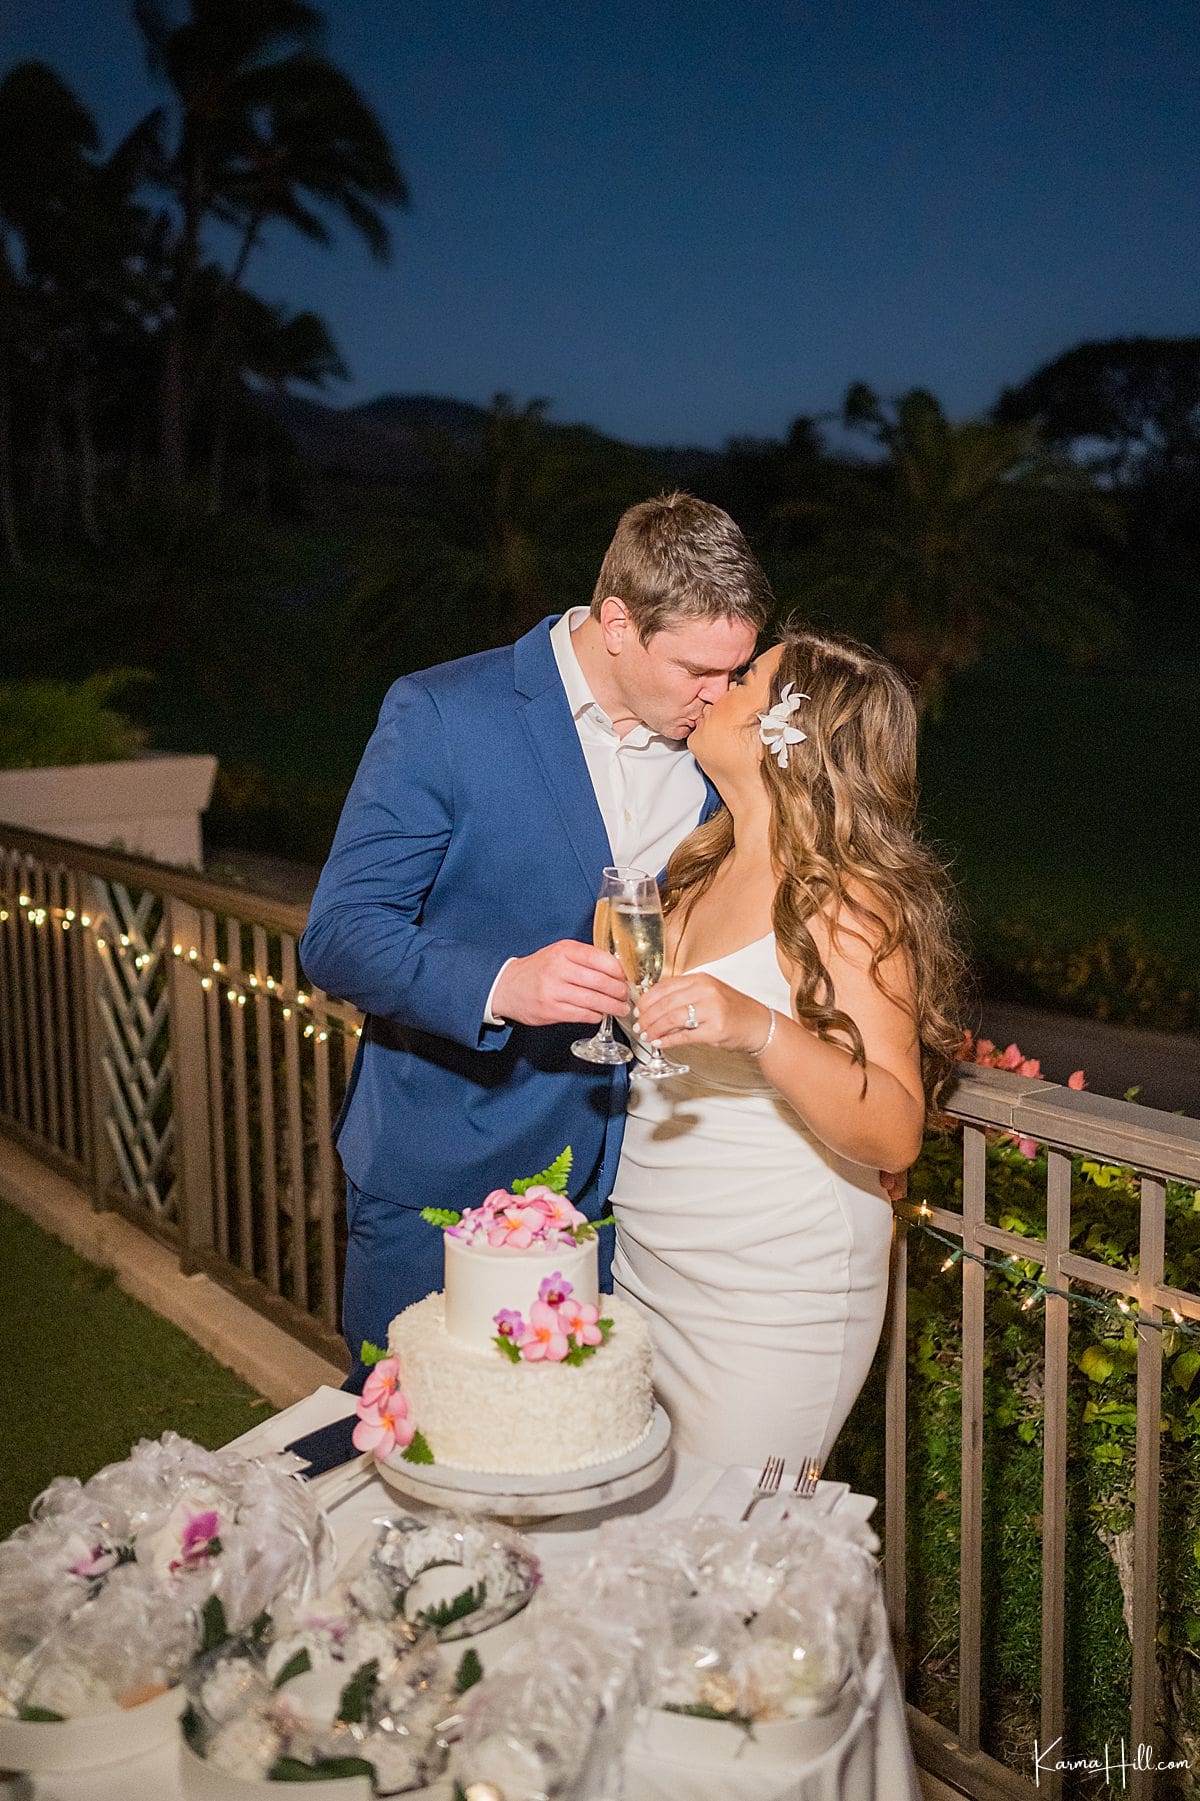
508 1323
383 1380
96 1562
544 1338
554 1290
383 1426
200 1540
516 1227
578 1318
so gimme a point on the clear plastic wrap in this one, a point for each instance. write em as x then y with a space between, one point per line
460 1574
742 1624
101 1593
328 1688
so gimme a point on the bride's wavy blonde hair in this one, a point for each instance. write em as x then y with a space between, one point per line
843 837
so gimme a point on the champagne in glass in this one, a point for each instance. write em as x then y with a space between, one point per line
638 942
603 1047
637 933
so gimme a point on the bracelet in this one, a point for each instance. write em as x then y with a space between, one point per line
766 1041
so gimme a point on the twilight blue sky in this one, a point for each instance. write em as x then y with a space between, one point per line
682 222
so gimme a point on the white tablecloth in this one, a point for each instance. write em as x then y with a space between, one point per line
871 1761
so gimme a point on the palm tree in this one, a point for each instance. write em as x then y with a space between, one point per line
268 128
72 245
271 346
960 531
505 531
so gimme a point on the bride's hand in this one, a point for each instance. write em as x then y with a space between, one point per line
724 1016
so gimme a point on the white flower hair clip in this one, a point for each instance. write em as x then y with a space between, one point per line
773 727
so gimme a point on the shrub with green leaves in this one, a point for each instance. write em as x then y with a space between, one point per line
1102 1420
47 723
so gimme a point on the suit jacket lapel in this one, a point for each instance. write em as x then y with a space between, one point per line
546 717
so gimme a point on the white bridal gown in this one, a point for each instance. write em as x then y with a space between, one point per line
758 1256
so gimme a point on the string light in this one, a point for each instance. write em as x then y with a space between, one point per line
1120 1310
238 989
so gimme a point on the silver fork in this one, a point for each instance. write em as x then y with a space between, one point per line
768 1484
806 1481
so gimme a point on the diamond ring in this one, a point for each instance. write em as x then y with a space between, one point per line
692 1021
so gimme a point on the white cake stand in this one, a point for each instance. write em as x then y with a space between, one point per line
535 1497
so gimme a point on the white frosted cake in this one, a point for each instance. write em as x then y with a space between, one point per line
520 1367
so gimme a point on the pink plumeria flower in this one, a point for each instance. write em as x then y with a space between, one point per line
495 1202
560 1215
555 1289
384 1426
578 1319
383 1379
508 1323
541 1197
543 1338
515 1227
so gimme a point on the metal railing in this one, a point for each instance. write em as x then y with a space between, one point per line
157 1043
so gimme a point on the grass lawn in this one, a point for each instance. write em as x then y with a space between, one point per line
87 1370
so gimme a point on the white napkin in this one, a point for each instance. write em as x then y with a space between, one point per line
733 1490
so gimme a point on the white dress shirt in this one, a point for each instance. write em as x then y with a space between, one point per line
647 787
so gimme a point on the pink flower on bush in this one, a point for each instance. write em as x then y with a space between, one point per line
543 1338
383 1380
508 1323
578 1319
554 1290
983 1051
383 1425
515 1226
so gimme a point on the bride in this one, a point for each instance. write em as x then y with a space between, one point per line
811 991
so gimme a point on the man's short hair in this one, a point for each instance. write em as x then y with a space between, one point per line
678 558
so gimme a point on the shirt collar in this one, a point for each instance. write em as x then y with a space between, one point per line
579 696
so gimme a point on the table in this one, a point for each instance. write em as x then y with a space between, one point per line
872 1761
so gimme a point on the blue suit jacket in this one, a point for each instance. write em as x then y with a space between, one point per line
471 834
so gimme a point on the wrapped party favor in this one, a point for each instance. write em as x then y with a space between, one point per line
458 1575
101 1594
676 1636
342 1690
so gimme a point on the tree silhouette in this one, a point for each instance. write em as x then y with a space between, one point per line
959 532
265 127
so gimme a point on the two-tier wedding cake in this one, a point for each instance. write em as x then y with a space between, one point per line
519 1366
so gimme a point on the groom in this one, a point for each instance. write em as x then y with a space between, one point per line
455 908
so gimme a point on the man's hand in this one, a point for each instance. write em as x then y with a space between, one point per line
894 1183
564 981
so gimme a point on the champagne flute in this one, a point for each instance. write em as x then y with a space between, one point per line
603 1047
636 922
